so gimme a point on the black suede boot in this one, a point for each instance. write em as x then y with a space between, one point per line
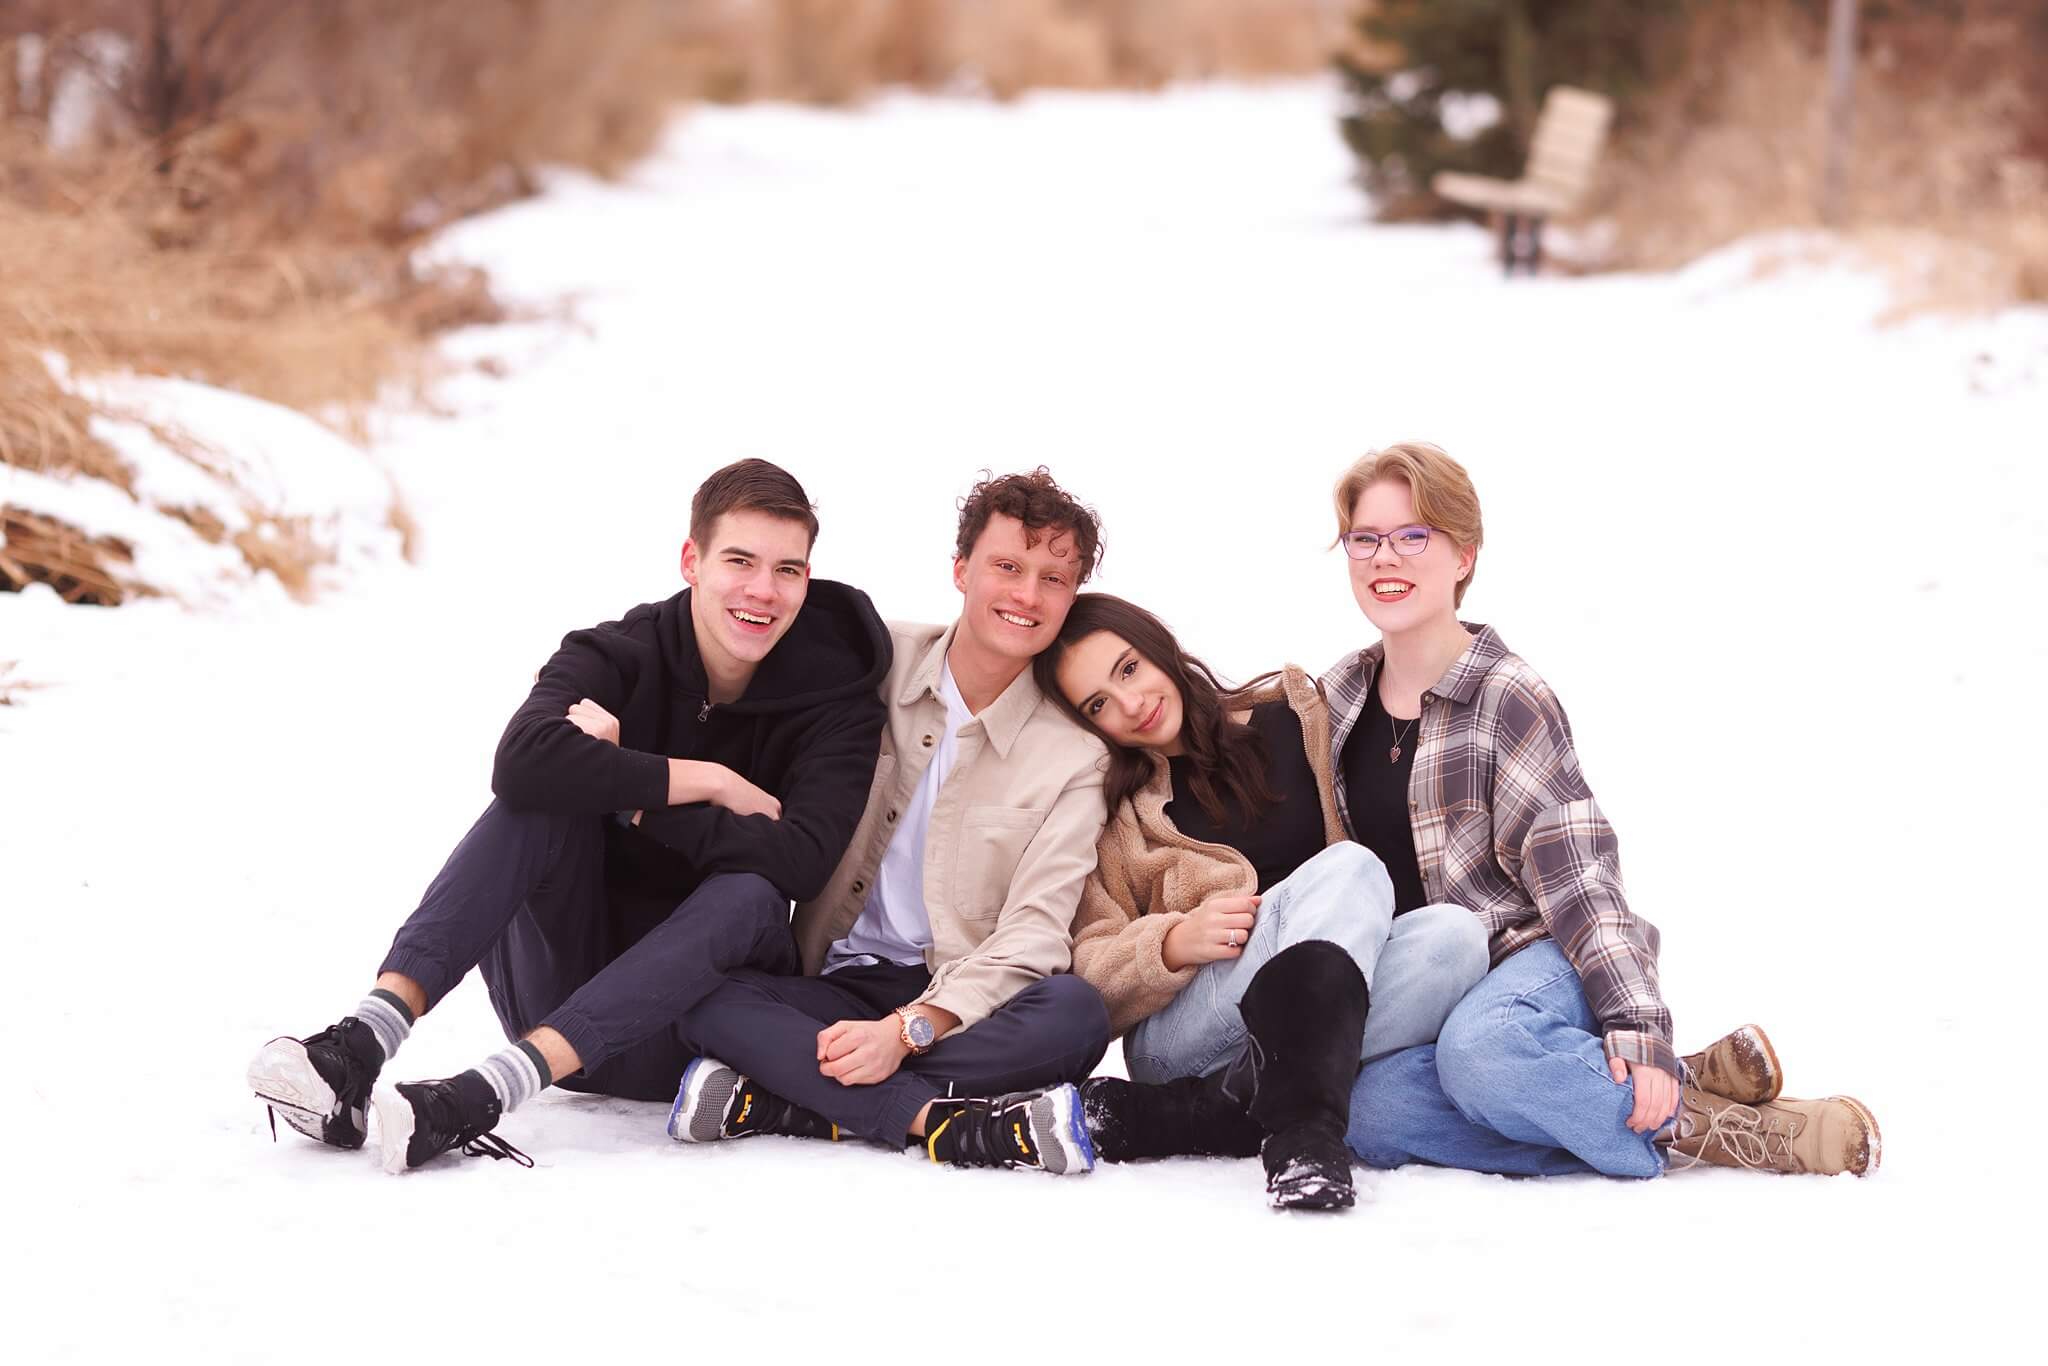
1306 1012
1185 1117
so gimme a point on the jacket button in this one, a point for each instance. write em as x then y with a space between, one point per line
927 742
860 886
1412 805
890 817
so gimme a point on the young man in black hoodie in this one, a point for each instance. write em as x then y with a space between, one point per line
673 782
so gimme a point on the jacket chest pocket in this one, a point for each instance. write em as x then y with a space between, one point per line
990 846
1467 839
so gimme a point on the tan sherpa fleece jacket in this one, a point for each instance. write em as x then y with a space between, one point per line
1148 875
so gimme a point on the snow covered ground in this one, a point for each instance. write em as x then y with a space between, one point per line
1783 564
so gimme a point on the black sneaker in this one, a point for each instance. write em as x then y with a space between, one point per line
417 1121
716 1101
320 1083
1041 1129
1185 1117
1308 1170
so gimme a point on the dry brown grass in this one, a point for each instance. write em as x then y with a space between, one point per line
834 51
1947 185
249 223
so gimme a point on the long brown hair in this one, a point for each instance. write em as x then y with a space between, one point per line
1227 760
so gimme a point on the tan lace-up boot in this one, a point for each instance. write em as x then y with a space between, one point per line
1820 1137
1741 1066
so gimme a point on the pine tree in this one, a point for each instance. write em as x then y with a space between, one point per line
1423 72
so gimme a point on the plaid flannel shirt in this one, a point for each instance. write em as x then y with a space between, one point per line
1506 827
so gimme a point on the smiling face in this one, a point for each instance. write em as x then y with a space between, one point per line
1400 593
750 578
1125 695
1018 594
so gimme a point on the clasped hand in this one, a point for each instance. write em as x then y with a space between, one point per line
1656 1094
862 1052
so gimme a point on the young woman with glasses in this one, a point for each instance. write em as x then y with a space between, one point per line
1454 762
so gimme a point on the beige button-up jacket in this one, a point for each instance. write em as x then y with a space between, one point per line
1012 835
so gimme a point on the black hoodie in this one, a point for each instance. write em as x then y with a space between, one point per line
807 731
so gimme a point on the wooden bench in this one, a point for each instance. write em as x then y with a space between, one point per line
1569 133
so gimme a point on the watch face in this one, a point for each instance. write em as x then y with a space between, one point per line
920 1029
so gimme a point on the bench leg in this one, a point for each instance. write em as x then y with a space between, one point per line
1509 228
1535 257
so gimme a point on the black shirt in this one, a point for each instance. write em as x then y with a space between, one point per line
1376 791
1280 838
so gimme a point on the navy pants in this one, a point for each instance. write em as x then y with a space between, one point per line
766 1025
523 897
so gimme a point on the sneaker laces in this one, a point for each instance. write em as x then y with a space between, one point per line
491 1146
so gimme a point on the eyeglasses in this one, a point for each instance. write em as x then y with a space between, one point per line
1407 540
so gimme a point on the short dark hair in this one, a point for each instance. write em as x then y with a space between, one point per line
1040 504
750 486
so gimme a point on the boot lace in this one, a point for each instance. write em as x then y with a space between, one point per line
1747 1135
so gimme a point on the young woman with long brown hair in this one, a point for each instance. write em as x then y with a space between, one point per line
1225 865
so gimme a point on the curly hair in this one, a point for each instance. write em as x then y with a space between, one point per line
1040 504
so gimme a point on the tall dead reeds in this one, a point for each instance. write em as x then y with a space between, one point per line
1948 175
229 190
834 51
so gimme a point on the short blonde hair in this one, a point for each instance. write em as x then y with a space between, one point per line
1443 494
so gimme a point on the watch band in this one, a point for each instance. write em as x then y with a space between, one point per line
904 1015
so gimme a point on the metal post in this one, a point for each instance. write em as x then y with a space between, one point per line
1834 190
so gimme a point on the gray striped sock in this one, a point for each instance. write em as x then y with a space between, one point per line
517 1074
387 1018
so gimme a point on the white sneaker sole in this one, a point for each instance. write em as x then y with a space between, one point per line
394 1127
283 1077
690 1121
1060 1128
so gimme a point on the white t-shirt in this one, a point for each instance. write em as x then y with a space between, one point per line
894 926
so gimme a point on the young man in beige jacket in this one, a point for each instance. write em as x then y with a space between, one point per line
936 1004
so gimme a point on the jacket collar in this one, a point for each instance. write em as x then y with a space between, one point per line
1002 720
1460 683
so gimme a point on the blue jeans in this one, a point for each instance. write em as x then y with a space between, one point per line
1417 966
1516 1084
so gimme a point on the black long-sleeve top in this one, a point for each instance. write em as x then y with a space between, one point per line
807 730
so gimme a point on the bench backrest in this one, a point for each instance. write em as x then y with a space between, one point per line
1569 133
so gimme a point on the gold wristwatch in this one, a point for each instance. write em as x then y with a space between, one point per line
918 1034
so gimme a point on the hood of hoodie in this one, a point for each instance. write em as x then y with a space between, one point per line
836 648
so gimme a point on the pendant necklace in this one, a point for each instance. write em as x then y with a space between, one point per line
1400 738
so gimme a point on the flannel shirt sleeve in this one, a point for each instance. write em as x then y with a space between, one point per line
1551 838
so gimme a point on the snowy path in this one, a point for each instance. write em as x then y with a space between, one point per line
1784 566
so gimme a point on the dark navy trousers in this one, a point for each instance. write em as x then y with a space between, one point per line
523 897
766 1025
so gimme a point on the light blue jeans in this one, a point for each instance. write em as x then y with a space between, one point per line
1416 967
1516 1084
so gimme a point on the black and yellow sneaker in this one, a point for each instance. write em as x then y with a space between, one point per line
417 1121
321 1083
1041 1129
716 1101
